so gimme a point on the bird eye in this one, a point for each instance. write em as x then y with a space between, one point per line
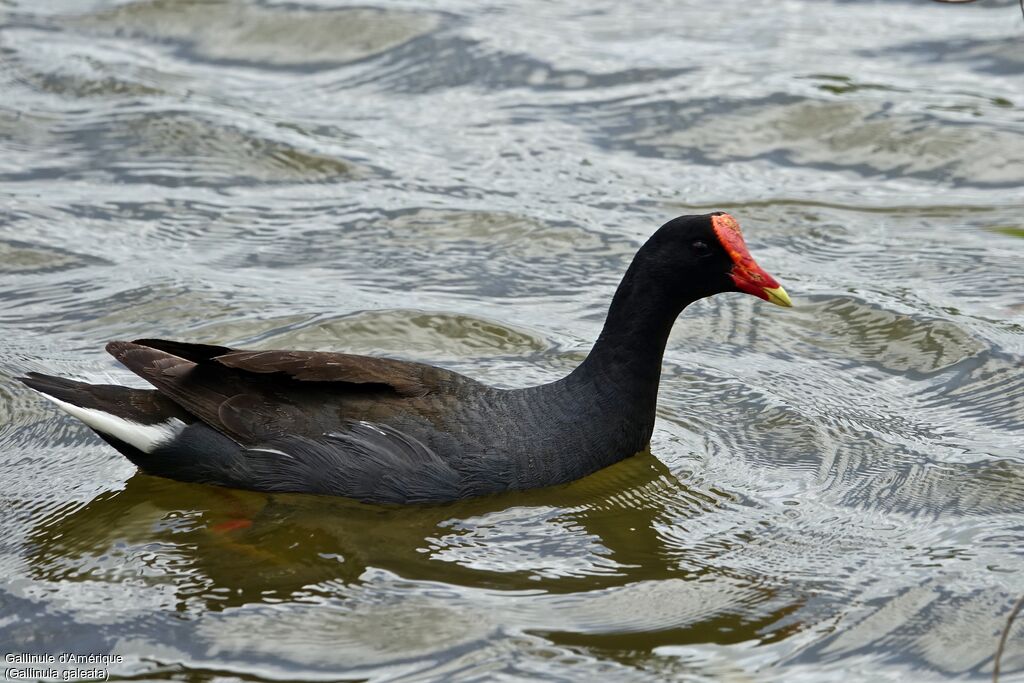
701 248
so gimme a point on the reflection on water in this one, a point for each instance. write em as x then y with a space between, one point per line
247 544
589 554
836 491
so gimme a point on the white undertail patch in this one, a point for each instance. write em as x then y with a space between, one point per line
146 438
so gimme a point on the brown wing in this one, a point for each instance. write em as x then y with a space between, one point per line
407 379
252 396
403 377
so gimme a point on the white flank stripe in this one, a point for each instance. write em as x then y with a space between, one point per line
144 437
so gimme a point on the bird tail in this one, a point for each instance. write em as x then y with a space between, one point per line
134 421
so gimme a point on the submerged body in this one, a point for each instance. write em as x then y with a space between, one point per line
389 431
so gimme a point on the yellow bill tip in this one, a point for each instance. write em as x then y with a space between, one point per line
778 296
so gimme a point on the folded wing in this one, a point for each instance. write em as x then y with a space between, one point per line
286 411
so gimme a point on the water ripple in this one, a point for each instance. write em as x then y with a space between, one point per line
834 491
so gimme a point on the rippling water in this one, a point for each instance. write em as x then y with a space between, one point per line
836 491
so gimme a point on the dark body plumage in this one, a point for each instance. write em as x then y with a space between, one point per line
389 431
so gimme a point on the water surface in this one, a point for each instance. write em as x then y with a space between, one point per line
835 492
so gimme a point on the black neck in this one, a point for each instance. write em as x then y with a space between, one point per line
625 363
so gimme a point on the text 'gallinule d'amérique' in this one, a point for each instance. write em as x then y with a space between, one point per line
390 431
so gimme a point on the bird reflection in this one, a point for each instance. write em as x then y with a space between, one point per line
228 548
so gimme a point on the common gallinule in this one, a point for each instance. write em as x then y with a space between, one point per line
391 431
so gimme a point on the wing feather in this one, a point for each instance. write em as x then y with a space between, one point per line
405 378
362 460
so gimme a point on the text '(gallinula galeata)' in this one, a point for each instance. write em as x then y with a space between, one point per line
390 431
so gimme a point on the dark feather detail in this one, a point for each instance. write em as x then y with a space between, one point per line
255 418
197 353
364 461
143 406
404 377
407 379
200 390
